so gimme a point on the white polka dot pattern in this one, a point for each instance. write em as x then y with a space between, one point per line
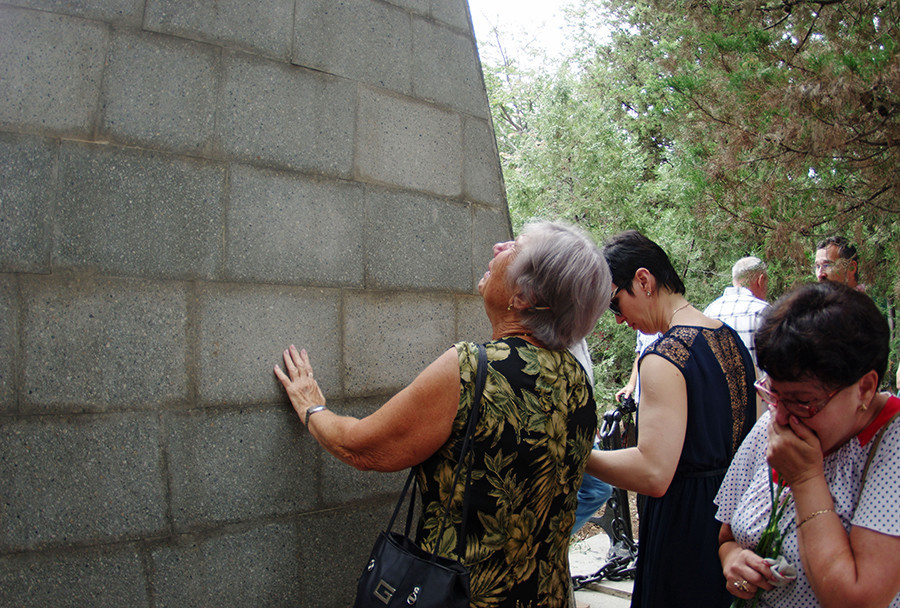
744 500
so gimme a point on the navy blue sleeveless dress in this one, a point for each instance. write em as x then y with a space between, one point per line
678 562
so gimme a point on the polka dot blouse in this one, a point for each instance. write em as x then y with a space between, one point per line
744 500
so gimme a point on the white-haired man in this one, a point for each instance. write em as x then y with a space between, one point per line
741 305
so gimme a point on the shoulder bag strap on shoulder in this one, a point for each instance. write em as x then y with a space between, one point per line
874 449
480 380
480 377
474 414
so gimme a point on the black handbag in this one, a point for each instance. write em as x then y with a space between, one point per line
399 572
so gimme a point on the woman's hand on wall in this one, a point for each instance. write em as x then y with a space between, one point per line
302 389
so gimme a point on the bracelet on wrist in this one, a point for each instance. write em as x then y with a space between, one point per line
312 410
813 515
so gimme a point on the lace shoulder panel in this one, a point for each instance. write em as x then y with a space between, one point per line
674 345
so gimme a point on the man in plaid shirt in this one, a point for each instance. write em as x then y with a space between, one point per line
742 304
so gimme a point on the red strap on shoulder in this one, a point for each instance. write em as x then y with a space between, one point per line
887 412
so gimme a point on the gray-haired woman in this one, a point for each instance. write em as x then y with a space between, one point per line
542 293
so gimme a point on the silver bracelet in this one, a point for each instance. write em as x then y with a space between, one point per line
312 410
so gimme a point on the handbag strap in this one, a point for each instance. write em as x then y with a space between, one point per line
875 444
474 415
480 379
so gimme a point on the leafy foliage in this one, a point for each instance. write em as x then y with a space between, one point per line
719 128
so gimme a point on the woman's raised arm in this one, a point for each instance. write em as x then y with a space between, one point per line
403 432
650 467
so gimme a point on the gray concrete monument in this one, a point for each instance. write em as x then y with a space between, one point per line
187 187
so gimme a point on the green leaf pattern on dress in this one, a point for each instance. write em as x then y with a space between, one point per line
536 430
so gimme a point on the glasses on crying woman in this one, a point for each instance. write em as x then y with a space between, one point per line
800 408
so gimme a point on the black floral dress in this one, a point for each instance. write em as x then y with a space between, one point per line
535 432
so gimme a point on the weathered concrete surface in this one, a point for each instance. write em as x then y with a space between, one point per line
185 189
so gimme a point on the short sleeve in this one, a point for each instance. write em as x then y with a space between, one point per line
879 500
749 457
674 346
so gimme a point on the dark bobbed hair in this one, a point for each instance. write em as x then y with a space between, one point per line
558 266
630 250
823 331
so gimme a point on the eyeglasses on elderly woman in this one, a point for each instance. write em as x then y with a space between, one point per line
801 408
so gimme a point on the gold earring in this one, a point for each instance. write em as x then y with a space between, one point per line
509 307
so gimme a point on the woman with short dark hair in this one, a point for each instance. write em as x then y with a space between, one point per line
696 406
829 437
542 293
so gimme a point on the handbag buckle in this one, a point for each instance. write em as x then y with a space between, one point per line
383 591
413 597
371 565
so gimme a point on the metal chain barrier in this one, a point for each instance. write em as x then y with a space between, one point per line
623 549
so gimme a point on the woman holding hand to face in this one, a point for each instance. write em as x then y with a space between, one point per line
829 436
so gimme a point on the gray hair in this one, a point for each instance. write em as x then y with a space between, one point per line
746 270
562 274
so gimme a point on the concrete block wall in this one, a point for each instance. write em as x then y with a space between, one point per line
185 189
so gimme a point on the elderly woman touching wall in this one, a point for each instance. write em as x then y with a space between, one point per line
831 436
542 293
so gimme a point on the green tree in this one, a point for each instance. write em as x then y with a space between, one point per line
719 129
786 117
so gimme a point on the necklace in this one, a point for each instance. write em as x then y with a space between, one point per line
672 318
522 335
